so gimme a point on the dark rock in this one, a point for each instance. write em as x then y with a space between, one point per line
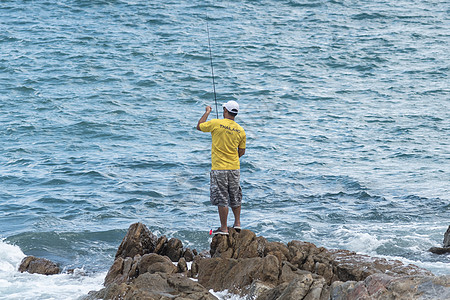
138 240
447 238
174 249
193 272
161 245
182 265
446 248
35 265
439 250
189 255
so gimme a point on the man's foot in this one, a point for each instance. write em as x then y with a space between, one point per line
218 231
237 227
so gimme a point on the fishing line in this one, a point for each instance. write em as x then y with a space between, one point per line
212 68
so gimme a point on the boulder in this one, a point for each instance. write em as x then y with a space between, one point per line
153 263
243 244
236 275
439 250
446 248
188 255
35 265
174 249
447 238
156 286
138 240
182 265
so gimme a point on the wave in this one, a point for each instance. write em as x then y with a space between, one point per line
25 286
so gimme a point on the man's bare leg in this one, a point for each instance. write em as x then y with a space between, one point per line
237 216
223 215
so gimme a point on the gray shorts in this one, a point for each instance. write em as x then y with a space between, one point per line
225 188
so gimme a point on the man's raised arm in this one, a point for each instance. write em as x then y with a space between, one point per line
204 117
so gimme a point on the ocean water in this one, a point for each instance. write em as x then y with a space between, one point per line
346 105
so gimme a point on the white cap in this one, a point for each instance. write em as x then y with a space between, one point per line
231 106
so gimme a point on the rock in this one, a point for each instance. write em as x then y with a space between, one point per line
244 244
236 274
258 288
156 286
182 265
115 274
446 248
189 255
174 249
138 240
161 244
381 286
254 268
277 249
152 263
35 265
447 238
298 288
193 272
343 265
439 250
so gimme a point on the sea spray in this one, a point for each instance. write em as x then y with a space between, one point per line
25 286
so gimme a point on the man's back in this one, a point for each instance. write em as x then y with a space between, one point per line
227 137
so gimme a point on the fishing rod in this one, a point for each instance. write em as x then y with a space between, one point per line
212 68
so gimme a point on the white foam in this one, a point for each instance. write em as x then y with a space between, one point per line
225 295
25 286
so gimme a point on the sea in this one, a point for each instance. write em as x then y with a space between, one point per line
346 107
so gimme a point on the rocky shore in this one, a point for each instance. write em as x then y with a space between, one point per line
158 268
148 267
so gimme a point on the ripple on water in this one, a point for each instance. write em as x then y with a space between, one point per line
345 108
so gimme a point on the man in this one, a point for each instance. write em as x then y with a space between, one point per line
228 145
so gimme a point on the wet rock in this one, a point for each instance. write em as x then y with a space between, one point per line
446 248
447 238
35 265
439 250
138 240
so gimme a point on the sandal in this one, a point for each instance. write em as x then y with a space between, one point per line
218 231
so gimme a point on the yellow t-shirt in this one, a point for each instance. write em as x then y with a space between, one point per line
227 137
